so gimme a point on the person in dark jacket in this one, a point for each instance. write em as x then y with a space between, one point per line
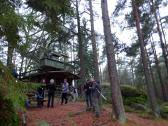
40 96
51 93
88 94
96 90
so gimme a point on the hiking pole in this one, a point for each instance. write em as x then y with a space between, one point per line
101 95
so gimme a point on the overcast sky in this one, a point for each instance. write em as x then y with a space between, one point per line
114 27
126 35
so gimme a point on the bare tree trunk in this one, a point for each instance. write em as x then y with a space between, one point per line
117 102
150 88
81 50
164 36
133 78
160 35
21 67
94 47
151 74
132 72
27 65
153 79
163 88
10 56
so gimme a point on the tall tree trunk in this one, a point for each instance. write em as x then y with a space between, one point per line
132 71
27 65
163 88
133 78
153 80
81 50
94 47
160 35
10 56
150 88
164 36
21 67
152 74
117 102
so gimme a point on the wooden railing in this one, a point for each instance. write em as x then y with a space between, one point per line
56 64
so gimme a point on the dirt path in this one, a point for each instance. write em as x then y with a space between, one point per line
74 114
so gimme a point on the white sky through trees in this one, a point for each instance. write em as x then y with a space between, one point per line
124 36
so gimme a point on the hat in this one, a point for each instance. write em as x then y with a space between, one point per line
51 81
91 79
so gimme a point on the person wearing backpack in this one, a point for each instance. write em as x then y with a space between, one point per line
88 95
96 96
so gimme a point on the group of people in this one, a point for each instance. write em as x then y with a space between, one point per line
91 89
92 94
66 90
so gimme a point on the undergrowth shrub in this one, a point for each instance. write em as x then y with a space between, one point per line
8 115
12 97
164 110
130 95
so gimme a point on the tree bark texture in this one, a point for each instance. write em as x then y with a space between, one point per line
10 56
21 67
94 46
164 36
153 79
160 36
150 87
163 87
81 50
117 102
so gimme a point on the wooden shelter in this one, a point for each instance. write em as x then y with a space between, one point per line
53 66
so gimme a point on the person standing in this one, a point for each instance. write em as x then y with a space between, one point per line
75 94
96 96
88 97
65 90
51 93
40 96
71 93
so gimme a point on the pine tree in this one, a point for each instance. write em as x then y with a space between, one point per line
117 103
150 88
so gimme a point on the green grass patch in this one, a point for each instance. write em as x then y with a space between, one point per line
70 115
42 123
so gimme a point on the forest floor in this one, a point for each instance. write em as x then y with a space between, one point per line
74 114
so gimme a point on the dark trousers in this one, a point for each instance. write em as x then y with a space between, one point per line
64 96
50 100
88 99
39 102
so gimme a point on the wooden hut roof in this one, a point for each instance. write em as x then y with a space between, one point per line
58 74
